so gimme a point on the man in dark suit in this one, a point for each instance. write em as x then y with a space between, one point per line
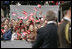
65 29
47 36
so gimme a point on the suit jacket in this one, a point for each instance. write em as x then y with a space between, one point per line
7 35
62 38
47 37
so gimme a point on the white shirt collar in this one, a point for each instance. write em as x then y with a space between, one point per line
51 22
67 19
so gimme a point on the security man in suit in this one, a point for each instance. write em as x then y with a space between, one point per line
65 29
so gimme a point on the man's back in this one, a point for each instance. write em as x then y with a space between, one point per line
47 37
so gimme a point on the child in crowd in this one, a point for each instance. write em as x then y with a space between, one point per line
14 35
18 33
23 33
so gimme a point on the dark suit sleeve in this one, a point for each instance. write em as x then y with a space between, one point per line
38 40
7 35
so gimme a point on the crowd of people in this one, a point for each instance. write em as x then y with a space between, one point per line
44 32
12 29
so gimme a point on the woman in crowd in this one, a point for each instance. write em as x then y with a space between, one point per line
6 21
14 34
31 37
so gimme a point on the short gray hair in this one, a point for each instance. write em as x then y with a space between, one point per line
50 16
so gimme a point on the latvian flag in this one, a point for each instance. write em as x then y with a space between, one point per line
38 20
25 13
24 33
25 17
18 34
13 14
2 31
39 6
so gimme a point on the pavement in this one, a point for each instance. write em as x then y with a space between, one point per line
16 44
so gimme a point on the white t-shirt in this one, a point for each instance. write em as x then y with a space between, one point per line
14 36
